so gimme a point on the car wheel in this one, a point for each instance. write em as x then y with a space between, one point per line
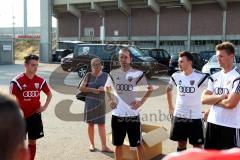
82 71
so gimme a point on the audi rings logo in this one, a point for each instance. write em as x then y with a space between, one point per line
28 94
124 87
183 89
220 91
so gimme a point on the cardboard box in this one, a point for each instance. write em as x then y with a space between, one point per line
153 136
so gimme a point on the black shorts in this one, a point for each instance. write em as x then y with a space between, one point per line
221 137
129 125
34 126
183 129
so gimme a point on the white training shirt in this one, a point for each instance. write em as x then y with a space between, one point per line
124 84
189 91
225 83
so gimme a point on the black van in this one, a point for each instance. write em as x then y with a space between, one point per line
83 53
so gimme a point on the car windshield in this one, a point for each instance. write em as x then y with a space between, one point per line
69 56
214 59
237 58
145 51
207 55
137 52
175 56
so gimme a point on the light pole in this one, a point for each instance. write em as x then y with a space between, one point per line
13 38
13 22
13 28
25 18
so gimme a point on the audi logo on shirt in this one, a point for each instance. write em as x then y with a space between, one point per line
221 91
124 87
29 94
183 89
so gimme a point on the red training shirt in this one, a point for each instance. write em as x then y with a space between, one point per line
27 92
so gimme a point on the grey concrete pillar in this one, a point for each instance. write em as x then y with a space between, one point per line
79 27
102 30
189 31
57 30
158 31
46 31
224 25
130 28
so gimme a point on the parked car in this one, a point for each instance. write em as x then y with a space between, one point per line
161 55
237 56
173 64
83 53
68 44
212 66
197 63
66 63
206 55
64 48
59 54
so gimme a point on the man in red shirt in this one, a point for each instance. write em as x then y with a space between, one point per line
27 87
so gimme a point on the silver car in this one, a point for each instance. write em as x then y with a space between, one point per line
212 65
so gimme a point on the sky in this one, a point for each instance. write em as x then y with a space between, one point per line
10 8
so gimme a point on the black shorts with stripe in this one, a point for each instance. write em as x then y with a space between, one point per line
221 137
34 126
184 129
126 125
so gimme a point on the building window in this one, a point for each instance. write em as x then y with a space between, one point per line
145 44
173 47
172 43
116 33
235 42
88 32
204 45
